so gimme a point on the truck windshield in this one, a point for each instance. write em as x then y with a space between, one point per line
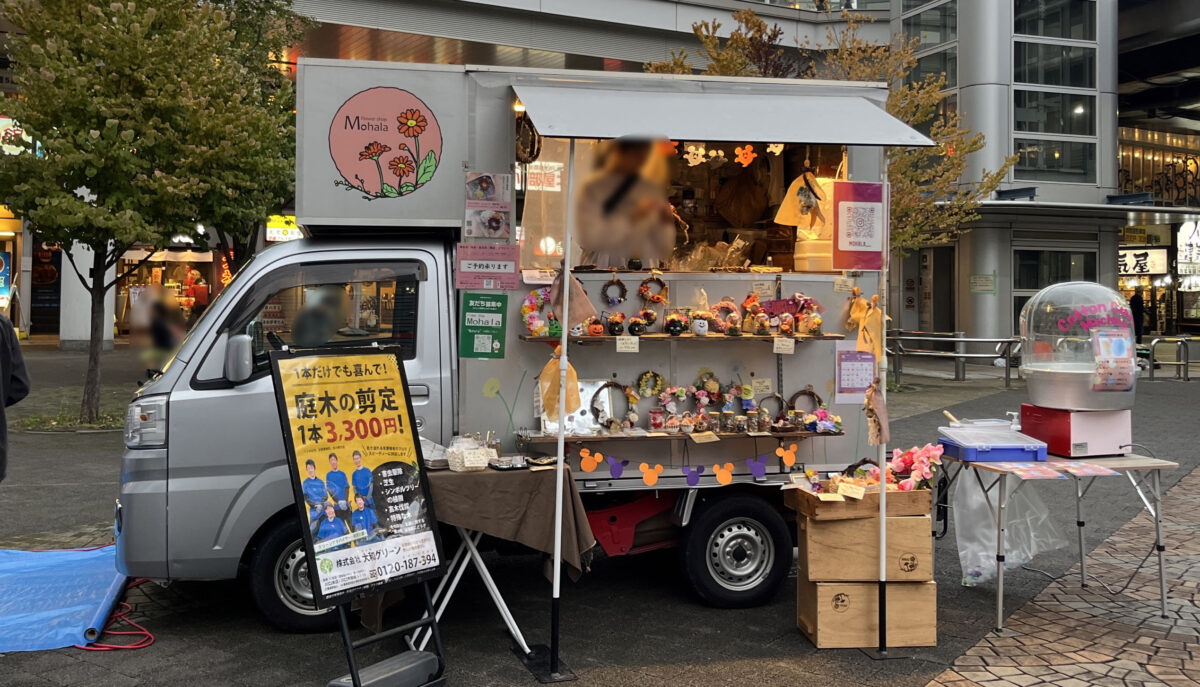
318 305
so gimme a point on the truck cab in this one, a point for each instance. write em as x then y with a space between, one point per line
204 486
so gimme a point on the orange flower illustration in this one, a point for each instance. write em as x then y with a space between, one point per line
373 150
401 166
412 123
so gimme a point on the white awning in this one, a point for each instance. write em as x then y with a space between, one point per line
714 116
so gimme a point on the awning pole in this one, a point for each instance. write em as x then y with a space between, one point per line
882 374
562 408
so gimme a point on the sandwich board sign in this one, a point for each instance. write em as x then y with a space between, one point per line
354 457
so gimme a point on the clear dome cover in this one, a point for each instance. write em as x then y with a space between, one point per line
1077 349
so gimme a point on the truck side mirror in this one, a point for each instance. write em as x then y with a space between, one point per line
239 358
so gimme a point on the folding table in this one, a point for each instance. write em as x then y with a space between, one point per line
1143 472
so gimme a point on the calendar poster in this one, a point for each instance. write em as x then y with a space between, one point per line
855 372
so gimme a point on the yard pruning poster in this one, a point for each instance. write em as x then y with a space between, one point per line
357 471
860 218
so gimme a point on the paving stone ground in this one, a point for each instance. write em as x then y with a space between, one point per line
632 620
1072 636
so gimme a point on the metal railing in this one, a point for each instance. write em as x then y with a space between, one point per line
1005 348
1182 356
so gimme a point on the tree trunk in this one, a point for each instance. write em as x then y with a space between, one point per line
89 410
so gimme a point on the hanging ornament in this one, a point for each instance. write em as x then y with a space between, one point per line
775 148
745 155
694 155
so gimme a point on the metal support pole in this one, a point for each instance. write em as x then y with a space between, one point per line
562 411
1153 345
960 364
1000 521
1079 530
1158 542
344 621
1186 350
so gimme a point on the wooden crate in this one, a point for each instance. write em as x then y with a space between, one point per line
919 502
848 550
845 615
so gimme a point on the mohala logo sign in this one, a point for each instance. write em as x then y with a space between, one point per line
385 142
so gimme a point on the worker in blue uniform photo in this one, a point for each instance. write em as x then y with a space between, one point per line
331 527
315 493
338 486
361 478
364 520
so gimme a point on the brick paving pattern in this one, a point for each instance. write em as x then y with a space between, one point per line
1074 637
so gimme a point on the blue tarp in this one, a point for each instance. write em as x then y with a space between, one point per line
53 599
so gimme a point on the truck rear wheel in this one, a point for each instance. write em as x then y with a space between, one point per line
737 552
280 585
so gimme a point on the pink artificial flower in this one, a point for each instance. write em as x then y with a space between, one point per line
873 472
896 453
907 484
822 414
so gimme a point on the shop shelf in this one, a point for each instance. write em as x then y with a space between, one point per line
711 338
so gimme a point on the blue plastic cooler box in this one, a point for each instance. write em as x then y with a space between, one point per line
990 443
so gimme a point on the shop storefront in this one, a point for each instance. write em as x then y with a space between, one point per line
185 279
1144 264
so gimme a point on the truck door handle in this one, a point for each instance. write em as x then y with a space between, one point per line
418 390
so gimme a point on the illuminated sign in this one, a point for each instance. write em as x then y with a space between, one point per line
283 228
1135 261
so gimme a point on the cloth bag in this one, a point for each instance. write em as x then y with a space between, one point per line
581 307
548 385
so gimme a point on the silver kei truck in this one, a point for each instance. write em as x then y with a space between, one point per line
205 492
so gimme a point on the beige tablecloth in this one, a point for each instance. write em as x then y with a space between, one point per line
517 505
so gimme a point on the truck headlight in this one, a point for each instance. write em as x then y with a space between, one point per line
146 422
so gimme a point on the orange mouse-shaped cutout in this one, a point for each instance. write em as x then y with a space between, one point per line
650 474
588 460
787 454
724 473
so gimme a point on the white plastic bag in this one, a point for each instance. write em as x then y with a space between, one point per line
1028 530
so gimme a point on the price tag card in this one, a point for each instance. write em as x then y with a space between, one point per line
785 345
704 437
538 276
765 290
758 434
854 491
628 344
826 496
478 457
762 385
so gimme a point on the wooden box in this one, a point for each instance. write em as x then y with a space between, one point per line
918 502
845 615
848 550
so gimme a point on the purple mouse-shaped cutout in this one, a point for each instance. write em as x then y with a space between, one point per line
616 468
693 474
758 467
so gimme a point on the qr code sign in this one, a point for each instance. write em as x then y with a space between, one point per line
483 343
860 226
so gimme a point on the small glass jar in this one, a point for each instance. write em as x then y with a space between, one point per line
739 424
751 420
728 422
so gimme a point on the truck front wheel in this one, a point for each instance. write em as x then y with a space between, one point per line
737 552
280 585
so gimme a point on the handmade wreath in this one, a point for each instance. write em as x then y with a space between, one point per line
806 391
650 296
722 309
614 301
531 311
672 396
778 398
709 382
649 383
602 418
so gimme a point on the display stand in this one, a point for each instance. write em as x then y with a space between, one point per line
406 669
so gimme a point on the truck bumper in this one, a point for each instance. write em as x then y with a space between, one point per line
140 515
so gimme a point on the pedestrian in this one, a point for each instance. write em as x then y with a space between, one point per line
14 382
1137 308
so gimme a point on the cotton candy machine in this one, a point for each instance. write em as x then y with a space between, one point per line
1077 350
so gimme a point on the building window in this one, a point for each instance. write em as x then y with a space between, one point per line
914 4
1034 270
1051 160
934 26
1054 65
1054 113
943 62
1074 19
